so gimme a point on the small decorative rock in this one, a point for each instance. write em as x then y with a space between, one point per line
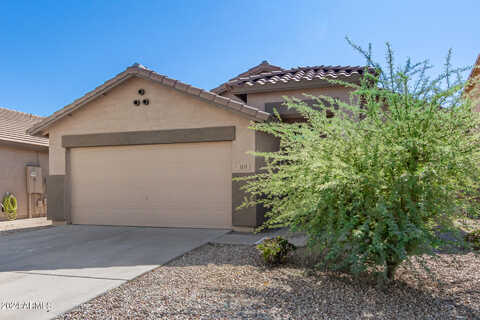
230 282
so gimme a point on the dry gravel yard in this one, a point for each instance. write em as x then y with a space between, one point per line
230 282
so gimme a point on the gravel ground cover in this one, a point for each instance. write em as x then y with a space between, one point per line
230 282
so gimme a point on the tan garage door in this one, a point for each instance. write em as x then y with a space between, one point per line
168 185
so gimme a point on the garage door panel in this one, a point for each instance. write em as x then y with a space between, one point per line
177 185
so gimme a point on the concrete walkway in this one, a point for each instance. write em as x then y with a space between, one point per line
46 272
250 239
24 224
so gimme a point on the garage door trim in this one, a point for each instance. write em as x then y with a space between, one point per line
185 162
210 134
170 136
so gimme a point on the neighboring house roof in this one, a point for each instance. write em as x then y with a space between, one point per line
137 70
475 74
282 77
13 127
264 66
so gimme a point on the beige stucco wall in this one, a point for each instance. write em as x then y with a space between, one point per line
168 109
259 99
13 178
475 97
476 104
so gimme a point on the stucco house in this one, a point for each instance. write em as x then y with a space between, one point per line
21 153
143 149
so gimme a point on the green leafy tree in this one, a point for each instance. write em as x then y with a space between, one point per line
377 182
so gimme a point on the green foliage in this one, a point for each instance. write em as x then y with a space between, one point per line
376 183
473 238
274 251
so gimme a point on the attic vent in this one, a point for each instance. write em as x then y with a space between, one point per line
136 102
141 92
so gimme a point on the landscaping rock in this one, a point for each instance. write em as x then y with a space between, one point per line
231 282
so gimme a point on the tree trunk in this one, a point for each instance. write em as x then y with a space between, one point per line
391 268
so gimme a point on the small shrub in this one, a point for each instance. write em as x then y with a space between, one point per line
274 251
474 239
9 206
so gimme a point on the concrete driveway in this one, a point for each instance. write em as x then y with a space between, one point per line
46 272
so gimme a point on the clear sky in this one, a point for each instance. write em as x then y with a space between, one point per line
53 52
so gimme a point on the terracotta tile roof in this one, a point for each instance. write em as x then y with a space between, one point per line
294 75
474 74
264 66
137 70
13 127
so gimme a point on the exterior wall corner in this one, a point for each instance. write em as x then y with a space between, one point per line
56 197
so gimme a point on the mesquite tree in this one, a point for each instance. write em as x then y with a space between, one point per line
377 182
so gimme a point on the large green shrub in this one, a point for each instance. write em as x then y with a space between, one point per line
376 183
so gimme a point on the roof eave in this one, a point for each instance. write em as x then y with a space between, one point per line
220 89
134 71
305 84
24 145
36 129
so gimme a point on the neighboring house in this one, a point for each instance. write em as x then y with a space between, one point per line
18 150
146 150
265 86
473 90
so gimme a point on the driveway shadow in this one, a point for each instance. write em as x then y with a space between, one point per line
97 251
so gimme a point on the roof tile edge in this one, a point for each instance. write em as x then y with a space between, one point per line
144 72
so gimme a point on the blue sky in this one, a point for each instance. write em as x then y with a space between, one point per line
53 52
